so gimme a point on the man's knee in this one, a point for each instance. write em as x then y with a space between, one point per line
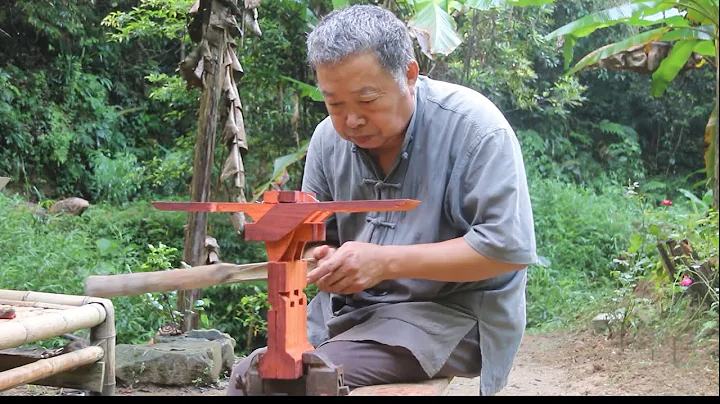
367 363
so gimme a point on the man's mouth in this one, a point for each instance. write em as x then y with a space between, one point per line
361 139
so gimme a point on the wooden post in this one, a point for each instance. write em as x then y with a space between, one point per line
212 82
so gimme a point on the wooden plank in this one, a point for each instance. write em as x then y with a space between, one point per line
44 368
87 377
434 387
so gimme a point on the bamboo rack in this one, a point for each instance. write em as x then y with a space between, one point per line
58 314
47 367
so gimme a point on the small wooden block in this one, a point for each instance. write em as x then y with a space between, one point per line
434 387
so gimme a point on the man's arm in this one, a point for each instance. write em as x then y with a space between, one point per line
448 261
357 266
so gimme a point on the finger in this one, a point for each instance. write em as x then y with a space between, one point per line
323 269
345 285
330 281
320 252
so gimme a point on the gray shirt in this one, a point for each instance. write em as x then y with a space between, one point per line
461 160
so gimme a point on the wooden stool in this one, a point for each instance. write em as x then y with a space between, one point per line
434 387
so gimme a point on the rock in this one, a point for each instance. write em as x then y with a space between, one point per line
73 206
228 344
602 321
169 363
176 339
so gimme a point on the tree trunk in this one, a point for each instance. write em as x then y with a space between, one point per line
194 253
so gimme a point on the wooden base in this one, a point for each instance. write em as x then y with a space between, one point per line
287 321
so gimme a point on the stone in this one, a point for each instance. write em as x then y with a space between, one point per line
228 345
73 206
602 321
169 364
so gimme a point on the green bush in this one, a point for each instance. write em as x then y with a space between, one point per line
55 253
578 231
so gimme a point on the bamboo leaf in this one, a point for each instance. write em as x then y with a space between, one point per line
606 18
611 49
435 30
671 65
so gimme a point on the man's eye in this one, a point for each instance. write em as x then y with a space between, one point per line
335 104
367 101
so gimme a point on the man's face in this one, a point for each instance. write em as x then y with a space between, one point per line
366 104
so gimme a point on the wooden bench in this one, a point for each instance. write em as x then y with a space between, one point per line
40 316
434 387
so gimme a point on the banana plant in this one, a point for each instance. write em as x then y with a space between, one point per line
433 22
690 26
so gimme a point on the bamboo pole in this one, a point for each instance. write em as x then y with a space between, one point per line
103 336
22 331
40 305
43 368
43 297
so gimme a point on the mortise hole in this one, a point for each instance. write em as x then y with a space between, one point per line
301 301
292 304
284 294
297 292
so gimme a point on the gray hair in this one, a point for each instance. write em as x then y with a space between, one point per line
362 28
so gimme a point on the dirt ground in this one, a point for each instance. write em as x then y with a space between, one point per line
554 364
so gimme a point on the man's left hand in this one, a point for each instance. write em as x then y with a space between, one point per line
354 267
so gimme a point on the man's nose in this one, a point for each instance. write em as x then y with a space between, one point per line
354 120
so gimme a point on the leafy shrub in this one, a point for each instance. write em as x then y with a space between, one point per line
578 231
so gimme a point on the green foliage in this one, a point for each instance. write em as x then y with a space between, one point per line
577 230
115 179
645 295
150 19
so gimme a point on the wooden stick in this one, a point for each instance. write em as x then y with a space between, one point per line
177 279
669 266
47 367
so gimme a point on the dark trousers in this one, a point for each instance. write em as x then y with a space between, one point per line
367 363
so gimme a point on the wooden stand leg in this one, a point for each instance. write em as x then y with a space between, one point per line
287 321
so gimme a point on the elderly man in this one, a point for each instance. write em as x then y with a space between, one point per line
433 292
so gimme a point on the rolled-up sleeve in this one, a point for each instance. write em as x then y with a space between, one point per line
489 199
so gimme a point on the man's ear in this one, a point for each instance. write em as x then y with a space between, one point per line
413 70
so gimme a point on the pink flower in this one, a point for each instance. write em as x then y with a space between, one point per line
666 202
686 281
